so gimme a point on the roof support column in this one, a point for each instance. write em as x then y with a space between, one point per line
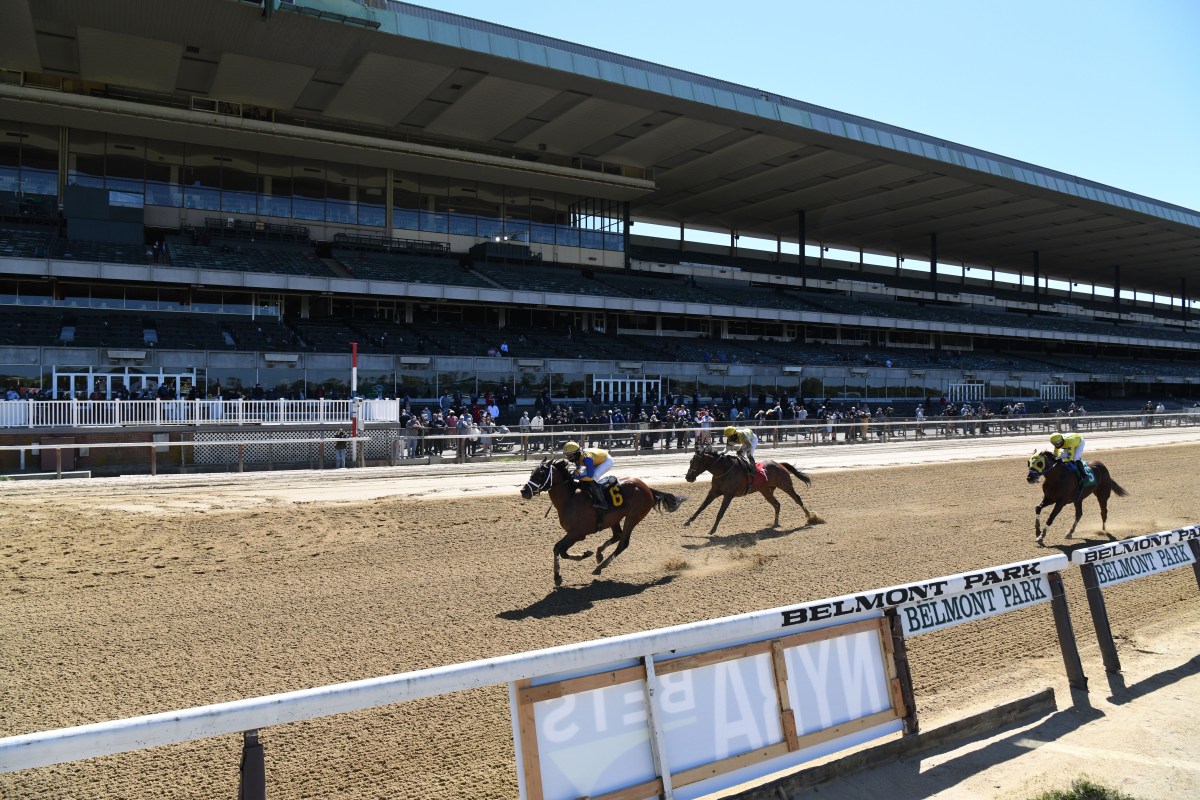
1037 280
801 235
681 238
1117 290
933 264
627 224
1183 299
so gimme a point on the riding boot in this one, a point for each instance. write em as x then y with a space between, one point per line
597 495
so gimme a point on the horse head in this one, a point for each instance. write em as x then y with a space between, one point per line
1038 464
702 459
541 478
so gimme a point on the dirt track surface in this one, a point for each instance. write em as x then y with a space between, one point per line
132 596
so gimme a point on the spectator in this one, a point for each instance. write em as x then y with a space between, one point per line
339 449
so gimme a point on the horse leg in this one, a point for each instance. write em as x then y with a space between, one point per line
1102 497
560 551
1078 516
622 540
725 501
792 493
616 535
712 495
1050 521
769 493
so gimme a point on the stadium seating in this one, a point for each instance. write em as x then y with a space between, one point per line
236 258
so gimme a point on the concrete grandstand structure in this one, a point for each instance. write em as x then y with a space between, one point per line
432 186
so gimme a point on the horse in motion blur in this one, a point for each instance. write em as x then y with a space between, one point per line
629 501
1061 486
729 480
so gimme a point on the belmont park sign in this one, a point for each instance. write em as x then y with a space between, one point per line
1145 555
942 603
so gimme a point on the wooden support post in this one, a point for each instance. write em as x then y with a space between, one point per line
1095 599
1195 545
1066 634
58 462
241 457
253 782
153 459
912 725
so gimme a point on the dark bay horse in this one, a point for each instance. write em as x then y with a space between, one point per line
729 480
630 500
1061 486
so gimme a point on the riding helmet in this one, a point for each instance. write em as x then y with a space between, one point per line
1056 439
730 431
570 448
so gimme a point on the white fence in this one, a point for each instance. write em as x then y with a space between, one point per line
915 607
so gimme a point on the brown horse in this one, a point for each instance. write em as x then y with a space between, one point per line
1062 487
730 480
629 500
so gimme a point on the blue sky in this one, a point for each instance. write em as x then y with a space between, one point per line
1108 91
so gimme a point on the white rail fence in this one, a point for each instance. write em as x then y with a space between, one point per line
704 652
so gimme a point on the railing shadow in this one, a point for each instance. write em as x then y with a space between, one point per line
1122 694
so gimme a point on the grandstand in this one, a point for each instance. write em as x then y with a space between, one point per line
255 194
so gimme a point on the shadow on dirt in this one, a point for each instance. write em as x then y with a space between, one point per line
573 599
1122 694
739 540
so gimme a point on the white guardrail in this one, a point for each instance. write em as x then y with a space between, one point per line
914 608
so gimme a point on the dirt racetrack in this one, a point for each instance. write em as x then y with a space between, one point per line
126 597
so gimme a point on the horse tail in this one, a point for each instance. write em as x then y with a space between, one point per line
807 480
1116 487
671 502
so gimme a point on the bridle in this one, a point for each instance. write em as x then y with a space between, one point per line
546 484
693 474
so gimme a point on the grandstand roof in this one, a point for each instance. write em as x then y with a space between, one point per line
720 156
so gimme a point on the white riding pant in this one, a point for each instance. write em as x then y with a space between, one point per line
602 470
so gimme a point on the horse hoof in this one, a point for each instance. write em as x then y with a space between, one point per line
596 571
557 581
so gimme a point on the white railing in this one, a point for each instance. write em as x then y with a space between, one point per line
167 413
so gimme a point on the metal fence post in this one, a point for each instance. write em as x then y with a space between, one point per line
1095 599
252 784
1066 633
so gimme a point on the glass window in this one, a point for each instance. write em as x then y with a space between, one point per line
406 199
308 190
10 157
202 178
125 163
274 185
85 162
489 198
164 163
371 201
39 161
516 203
239 181
341 192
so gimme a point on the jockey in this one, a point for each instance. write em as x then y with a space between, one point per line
1069 448
590 466
745 441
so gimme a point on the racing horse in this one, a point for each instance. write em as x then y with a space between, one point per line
729 480
629 501
1061 486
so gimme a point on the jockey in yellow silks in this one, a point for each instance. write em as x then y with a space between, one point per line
1069 448
744 441
591 464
